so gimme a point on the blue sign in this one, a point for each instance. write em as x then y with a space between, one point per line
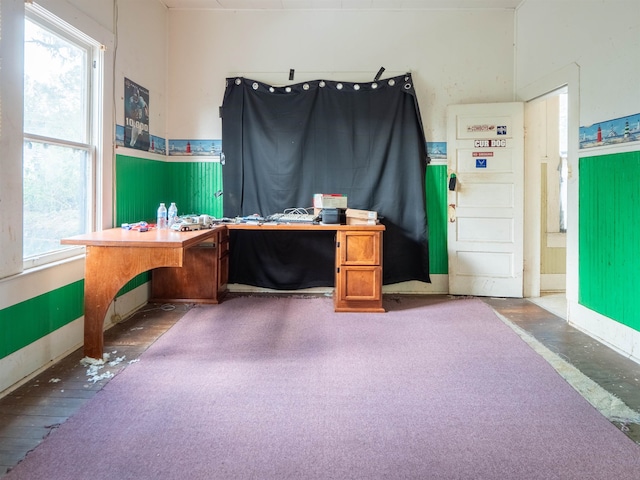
501 129
481 163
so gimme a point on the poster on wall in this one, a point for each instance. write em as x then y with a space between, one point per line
136 116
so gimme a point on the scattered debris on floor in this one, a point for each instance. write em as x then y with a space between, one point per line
115 362
94 365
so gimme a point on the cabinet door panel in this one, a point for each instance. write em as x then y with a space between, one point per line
360 248
360 283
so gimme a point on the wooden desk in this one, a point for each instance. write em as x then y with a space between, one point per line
182 273
358 280
115 256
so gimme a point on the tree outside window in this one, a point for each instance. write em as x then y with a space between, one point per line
58 154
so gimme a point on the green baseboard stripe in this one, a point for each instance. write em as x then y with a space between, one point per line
28 321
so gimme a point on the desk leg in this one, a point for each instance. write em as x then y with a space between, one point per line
107 270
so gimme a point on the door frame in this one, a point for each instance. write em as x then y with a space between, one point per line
568 76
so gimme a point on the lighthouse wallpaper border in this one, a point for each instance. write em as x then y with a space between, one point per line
208 148
611 132
608 132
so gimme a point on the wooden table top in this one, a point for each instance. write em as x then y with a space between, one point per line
300 226
120 237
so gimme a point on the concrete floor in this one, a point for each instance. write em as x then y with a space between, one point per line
608 380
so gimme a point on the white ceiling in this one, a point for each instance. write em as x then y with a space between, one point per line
340 4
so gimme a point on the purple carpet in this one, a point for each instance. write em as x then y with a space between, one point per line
284 388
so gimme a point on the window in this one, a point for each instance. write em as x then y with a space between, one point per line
557 168
563 167
59 159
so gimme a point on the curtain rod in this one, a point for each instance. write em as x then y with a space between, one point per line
283 75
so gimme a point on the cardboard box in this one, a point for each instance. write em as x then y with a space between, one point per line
362 214
329 200
360 221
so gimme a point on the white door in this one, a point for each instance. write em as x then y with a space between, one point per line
485 144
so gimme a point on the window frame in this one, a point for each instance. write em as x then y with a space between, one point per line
93 126
557 118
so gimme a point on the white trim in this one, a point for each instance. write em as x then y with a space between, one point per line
624 340
74 17
132 152
193 159
556 240
438 161
40 280
11 122
439 285
609 149
553 282
26 363
550 83
568 76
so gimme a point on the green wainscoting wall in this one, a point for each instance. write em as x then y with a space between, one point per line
141 185
28 321
610 236
436 185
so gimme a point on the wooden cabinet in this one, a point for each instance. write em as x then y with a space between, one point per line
202 277
204 274
358 271
223 261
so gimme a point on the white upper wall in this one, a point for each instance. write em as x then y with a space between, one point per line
102 11
140 52
454 57
141 56
601 36
11 100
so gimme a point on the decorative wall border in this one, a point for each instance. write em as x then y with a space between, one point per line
156 144
213 148
611 132
195 148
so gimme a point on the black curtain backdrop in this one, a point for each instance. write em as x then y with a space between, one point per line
282 145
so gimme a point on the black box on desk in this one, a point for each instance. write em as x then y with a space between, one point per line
333 216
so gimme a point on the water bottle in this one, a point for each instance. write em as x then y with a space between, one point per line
173 214
162 217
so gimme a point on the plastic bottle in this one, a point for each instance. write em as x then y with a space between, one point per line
162 217
173 214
